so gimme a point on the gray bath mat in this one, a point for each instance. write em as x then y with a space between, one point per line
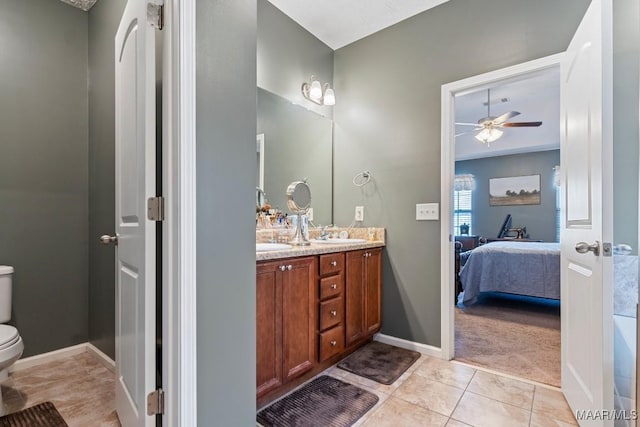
379 362
324 402
42 415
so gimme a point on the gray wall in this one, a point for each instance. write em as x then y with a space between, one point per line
288 55
540 220
43 169
226 176
387 121
626 54
104 18
297 146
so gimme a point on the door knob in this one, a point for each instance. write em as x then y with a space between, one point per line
584 247
105 239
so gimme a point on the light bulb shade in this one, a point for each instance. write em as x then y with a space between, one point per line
315 90
329 97
488 135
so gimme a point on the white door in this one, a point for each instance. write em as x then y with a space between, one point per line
136 249
586 146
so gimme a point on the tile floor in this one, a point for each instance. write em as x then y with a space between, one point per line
434 392
80 387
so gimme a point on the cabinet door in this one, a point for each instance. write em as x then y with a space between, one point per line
299 307
355 297
268 328
373 291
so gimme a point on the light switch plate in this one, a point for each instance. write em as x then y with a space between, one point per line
310 214
359 213
427 212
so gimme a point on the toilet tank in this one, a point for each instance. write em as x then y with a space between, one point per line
5 293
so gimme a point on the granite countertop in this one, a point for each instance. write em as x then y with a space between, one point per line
375 238
317 249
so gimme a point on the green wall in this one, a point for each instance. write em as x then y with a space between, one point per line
43 169
540 220
387 121
226 176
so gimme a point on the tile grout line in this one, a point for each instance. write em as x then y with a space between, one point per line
475 371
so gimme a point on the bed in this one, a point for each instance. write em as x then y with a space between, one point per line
524 268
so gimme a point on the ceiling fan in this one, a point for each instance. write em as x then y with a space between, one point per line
490 128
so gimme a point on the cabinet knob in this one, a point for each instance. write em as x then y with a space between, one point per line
334 263
334 313
334 286
282 268
289 267
333 343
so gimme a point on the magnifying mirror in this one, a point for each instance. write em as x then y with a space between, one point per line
299 202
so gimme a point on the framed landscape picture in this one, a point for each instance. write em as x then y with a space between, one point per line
515 190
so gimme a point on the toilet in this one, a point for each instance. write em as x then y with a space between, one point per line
11 344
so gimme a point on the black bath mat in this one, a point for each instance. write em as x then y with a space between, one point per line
324 402
379 362
42 415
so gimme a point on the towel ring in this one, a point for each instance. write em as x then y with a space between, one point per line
362 178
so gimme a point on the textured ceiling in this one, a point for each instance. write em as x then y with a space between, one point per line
81 4
537 98
338 22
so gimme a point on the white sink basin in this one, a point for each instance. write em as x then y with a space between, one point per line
266 247
338 241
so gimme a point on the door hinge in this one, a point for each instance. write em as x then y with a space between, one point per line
155 15
606 249
155 402
155 208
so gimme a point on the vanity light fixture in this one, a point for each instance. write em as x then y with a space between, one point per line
318 93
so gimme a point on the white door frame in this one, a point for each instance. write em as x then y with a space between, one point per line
460 87
179 367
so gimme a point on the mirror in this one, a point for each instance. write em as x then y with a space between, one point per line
298 197
299 201
293 143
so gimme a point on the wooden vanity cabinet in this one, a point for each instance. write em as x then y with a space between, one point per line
286 339
363 292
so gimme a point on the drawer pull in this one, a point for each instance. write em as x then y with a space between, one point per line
282 268
334 313
334 286
333 343
289 267
334 263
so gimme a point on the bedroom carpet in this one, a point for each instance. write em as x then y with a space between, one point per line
513 334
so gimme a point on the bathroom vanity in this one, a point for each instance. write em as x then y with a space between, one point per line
315 305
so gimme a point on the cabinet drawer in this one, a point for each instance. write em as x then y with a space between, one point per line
331 342
331 286
331 313
331 263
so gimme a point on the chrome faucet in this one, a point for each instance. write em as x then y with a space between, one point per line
324 234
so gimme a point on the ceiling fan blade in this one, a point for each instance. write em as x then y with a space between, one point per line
466 124
464 133
506 116
521 125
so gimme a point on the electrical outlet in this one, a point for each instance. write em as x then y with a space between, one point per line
310 214
359 213
427 212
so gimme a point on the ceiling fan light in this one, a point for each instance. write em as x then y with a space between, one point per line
488 135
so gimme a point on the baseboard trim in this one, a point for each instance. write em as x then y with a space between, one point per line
106 361
50 356
429 350
39 359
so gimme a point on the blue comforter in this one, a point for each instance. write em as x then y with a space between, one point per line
525 268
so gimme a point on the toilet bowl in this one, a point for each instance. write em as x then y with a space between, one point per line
11 345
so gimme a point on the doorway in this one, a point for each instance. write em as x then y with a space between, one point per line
524 153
